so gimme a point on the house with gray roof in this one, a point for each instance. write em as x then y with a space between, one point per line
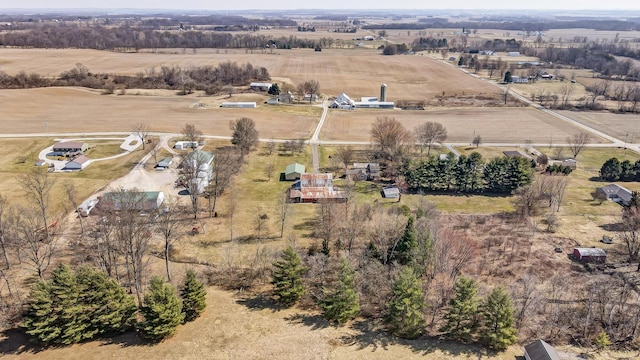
540 350
616 193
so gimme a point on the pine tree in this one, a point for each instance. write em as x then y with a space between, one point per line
497 331
39 319
77 306
162 311
341 303
602 340
406 308
193 297
112 310
461 323
407 245
287 277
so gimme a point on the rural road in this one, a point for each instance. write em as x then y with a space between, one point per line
315 141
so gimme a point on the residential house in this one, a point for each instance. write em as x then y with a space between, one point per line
517 153
65 148
615 193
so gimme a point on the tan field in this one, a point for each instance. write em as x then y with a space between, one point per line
499 125
358 72
78 110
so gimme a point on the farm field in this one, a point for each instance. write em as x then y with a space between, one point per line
358 72
621 126
498 125
59 110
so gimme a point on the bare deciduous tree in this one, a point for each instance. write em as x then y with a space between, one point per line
283 210
344 154
37 241
72 196
197 173
577 142
191 132
268 170
225 165
310 87
389 135
168 223
37 183
430 133
141 130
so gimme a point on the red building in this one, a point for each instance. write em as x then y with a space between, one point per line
590 255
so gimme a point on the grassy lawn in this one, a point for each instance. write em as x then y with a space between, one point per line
104 148
86 182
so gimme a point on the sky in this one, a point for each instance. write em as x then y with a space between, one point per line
324 4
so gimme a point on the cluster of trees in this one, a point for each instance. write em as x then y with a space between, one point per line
424 43
83 304
208 78
490 321
394 49
469 174
616 170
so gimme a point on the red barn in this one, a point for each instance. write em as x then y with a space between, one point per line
590 255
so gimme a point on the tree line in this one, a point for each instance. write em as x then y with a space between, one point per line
132 38
616 170
469 174
81 304
210 79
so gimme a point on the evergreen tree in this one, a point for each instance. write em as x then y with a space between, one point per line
76 306
39 319
162 311
193 297
274 90
461 323
341 303
287 277
107 307
406 308
407 245
498 331
611 170
602 340
505 174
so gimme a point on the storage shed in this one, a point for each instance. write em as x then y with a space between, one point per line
78 163
131 200
390 192
594 255
540 350
293 171
164 163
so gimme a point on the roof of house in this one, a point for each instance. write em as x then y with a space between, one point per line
615 190
199 155
165 162
294 168
540 350
516 153
324 180
68 145
591 252
260 84
131 196
80 159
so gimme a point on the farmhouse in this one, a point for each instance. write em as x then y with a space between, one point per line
615 193
590 255
243 105
516 153
78 163
71 147
372 170
293 171
356 174
260 86
540 350
200 159
131 200
313 188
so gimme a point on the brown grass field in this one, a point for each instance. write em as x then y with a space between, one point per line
506 125
358 72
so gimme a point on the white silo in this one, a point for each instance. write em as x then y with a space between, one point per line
383 92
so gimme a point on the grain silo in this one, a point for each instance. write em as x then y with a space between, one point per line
383 92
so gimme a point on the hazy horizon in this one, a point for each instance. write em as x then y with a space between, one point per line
327 5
